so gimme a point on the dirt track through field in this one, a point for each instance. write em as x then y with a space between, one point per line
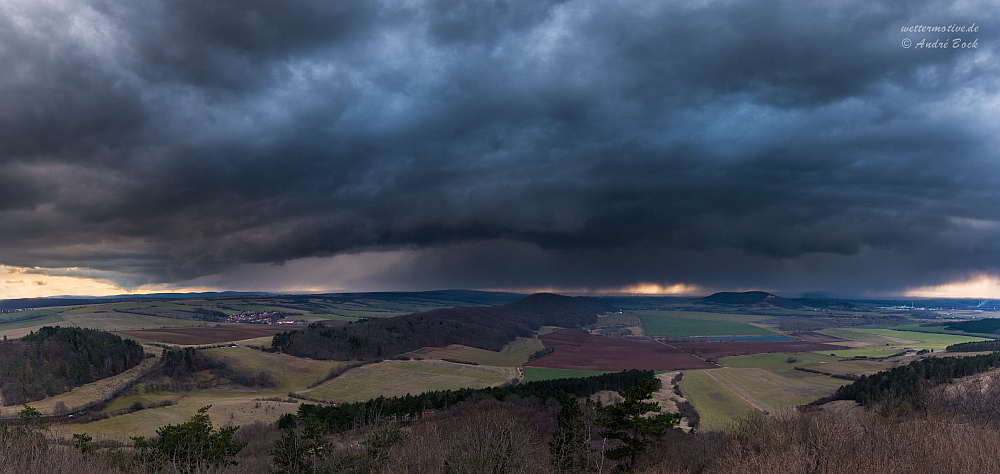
739 392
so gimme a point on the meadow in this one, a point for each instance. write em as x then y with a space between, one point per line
398 378
671 326
716 404
515 354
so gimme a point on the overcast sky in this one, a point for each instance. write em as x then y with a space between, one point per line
591 145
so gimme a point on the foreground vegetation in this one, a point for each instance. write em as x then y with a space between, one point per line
522 435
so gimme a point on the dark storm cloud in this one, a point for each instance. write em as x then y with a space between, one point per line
586 143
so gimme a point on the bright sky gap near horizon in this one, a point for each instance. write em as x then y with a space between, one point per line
576 146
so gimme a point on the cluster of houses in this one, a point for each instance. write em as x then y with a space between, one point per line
267 317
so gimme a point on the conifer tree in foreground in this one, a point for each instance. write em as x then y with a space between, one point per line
626 422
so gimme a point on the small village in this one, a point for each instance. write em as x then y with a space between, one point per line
267 317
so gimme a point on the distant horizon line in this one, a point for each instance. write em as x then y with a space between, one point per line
194 294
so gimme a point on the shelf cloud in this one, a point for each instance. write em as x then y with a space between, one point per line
777 145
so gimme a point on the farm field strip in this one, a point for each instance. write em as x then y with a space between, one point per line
126 321
717 405
19 329
207 335
777 361
940 330
712 350
679 327
875 353
513 354
228 409
926 340
770 391
577 349
294 373
868 338
704 316
397 378
324 317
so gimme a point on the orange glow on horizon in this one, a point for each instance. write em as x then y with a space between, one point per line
978 286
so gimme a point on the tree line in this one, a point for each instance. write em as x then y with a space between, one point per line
488 328
910 382
56 359
345 416
985 326
977 346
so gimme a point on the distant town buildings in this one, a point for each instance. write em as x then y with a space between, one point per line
267 317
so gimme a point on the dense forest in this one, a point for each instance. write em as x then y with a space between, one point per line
977 346
484 327
54 360
985 326
908 383
341 417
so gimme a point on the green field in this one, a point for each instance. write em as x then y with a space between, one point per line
294 373
774 390
324 317
513 354
126 321
717 405
534 374
929 340
936 329
46 320
876 353
680 327
397 378
776 361
731 317
891 339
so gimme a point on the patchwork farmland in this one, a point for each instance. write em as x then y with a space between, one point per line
724 375
579 350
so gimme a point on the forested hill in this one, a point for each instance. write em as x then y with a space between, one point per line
484 327
54 360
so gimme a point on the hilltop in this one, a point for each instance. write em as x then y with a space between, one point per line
489 328
759 300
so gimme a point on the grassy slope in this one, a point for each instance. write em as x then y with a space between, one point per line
397 378
717 405
773 390
513 355
885 342
293 373
230 404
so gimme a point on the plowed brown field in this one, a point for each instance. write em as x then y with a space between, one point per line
577 349
712 350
